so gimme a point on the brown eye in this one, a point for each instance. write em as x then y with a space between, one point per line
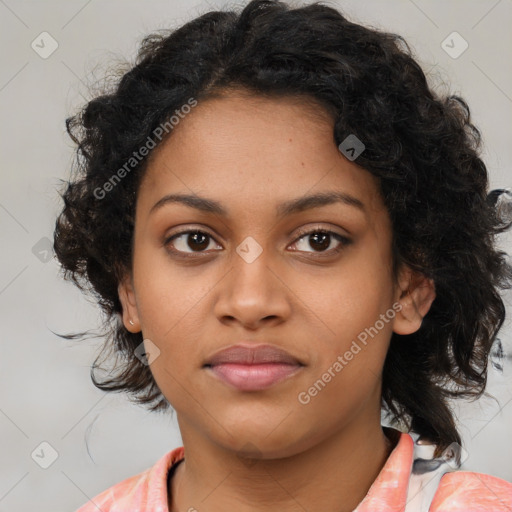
195 242
321 241
189 241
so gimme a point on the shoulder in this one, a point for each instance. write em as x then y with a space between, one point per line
146 490
467 491
128 491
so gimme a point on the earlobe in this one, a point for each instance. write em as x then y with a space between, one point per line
415 300
127 297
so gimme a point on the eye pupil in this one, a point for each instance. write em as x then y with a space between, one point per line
198 245
323 237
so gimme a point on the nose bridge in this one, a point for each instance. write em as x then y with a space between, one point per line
252 279
251 268
252 291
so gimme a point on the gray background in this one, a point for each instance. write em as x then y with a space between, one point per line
46 394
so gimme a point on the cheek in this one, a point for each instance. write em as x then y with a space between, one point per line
169 302
349 299
170 310
352 308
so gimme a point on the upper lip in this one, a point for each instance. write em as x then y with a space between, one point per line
249 354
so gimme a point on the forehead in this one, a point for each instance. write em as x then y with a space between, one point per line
254 151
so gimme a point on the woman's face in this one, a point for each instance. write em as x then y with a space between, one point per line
253 275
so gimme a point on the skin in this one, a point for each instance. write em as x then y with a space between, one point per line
265 451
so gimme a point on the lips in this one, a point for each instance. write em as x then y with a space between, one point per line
252 368
260 354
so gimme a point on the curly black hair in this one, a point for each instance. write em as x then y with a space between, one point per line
422 148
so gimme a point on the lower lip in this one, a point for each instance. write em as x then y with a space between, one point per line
253 377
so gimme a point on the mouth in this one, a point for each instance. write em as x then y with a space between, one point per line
252 368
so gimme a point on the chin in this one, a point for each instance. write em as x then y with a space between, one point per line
260 439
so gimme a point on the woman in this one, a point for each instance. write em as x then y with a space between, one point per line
288 230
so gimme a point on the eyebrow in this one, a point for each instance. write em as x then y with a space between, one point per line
287 208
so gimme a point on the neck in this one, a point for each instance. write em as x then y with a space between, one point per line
332 475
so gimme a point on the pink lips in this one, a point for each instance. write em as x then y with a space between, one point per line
253 368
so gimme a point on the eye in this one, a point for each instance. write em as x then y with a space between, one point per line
195 240
322 240
188 242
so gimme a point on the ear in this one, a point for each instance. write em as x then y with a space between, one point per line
415 294
127 297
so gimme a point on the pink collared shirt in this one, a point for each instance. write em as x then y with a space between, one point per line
397 488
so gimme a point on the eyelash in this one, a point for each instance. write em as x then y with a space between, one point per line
344 241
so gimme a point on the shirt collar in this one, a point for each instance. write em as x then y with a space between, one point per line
388 493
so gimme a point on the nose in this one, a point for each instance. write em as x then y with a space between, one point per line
253 294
